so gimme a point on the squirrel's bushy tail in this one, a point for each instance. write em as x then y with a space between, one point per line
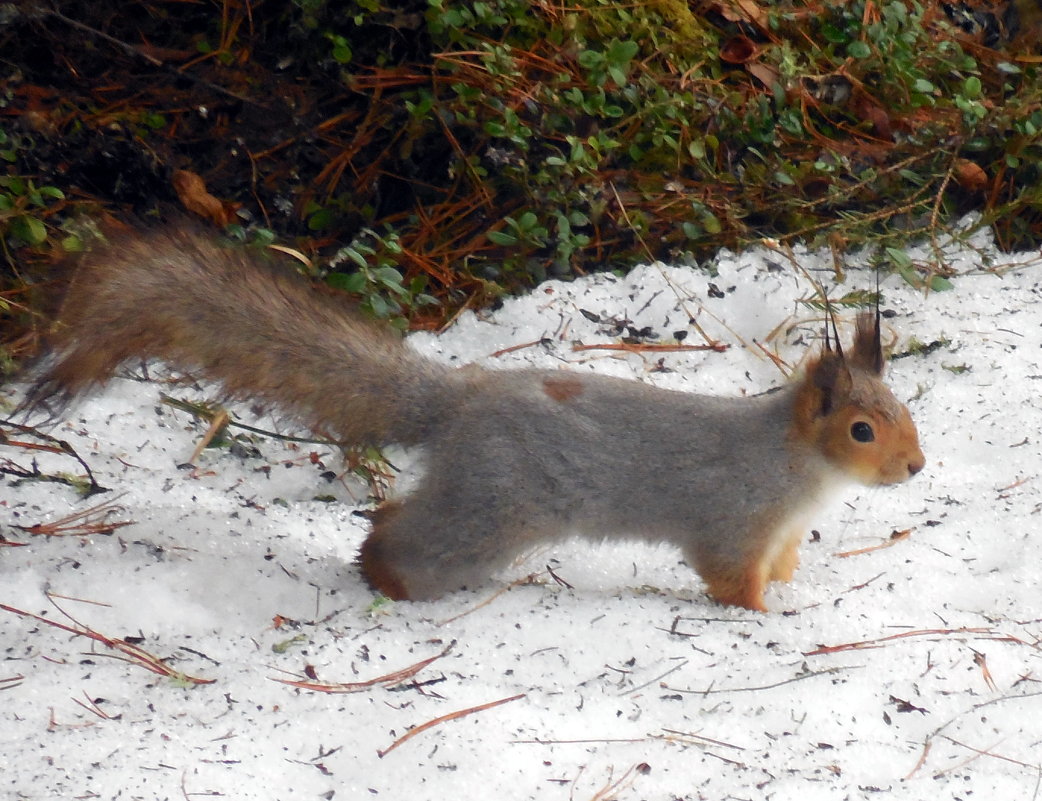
256 328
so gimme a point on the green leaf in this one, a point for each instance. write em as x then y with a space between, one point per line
502 238
380 306
711 223
834 34
910 276
900 259
388 276
348 282
14 183
858 50
72 244
320 219
590 59
691 231
527 221
622 52
355 256
29 229
939 283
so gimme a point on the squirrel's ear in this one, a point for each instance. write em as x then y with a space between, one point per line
867 352
831 377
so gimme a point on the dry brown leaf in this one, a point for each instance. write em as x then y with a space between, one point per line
191 191
969 175
739 50
764 73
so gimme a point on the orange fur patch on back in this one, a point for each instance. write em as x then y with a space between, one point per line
563 389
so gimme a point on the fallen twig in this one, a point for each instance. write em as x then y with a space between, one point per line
700 739
986 752
529 579
11 682
92 707
928 742
451 716
611 789
801 677
130 653
895 537
79 524
585 741
209 413
389 679
659 678
521 346
50 445
878 643
633 347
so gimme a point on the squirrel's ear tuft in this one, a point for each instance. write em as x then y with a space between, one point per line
831 378
867 353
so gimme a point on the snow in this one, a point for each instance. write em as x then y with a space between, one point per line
633 684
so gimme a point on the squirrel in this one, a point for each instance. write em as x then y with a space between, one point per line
513 458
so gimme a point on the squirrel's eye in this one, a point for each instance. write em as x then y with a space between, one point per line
862 432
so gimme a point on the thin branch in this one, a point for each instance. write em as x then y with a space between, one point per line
54 445
629 347
895 537
130 653
389 679
82 523
878 643
451 716
803 676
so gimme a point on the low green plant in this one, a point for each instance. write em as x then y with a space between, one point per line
384 292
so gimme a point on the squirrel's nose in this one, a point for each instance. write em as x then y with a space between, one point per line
916 465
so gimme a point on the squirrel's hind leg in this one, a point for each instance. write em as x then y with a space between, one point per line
418 553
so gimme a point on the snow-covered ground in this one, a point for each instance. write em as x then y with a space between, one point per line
632 684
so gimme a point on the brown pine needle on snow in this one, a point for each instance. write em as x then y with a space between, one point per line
126 651
83 523
895 537
629 347
11 682
451 716
985 633
389 679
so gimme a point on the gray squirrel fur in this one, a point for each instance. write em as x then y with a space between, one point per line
513 458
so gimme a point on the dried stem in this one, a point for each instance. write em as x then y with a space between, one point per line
451 716
387 680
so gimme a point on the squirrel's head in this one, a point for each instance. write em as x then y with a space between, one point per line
844 410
